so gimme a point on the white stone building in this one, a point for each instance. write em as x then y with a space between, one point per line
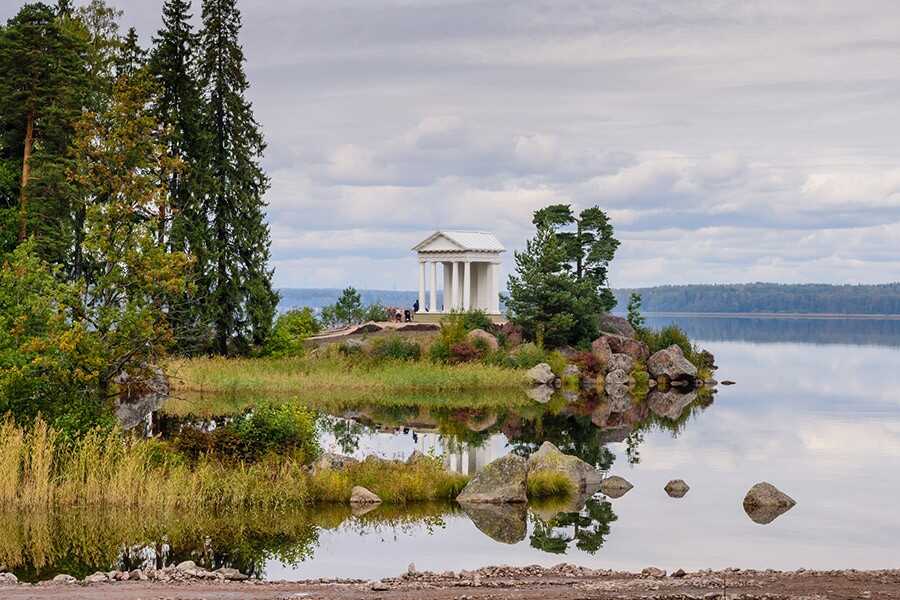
469 264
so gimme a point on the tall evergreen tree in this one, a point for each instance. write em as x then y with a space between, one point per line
131 57
42 88
184 222
242 298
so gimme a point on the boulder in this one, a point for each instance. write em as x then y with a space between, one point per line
764 503
677 488
137 575
550 458
97 577
329 461
671 363
601 350
504 523
600 414
540 394
63 578
230 574
616 387
618 376
613 435
617 325
670 404
619 344
481 423
615 486
501 481
653 572
360 495
513 334
486 338
621 361
541 374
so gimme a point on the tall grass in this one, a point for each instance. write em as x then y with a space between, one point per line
297 375
107 468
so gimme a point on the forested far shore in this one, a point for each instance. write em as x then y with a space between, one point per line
881 299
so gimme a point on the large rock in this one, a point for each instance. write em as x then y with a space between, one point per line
677 488
601 351
486 338
615 486
505 523
541 374
550 458
619 344
540 393
764 503
616 387
621 361
360 495
616 325
671 363
501 481
670 404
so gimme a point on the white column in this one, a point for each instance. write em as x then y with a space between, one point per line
422 286
494 277
432 304
467 286
454 291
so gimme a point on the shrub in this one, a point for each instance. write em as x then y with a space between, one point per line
283 429
588 363
527 356
549 484
557 362
641 381
289 331
665 337
463 352
439 352
476 319
395 347
376 312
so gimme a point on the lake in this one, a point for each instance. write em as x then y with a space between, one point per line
816 412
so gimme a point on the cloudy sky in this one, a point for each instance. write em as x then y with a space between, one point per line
729 141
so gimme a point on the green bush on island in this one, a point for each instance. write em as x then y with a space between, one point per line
395 347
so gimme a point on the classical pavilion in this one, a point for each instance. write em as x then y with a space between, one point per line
469 264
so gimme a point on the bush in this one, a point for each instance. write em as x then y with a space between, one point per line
376 312
527 356
588 363
549 484
289 332
557 362
476 319
439 352
464 352
665 337
267 429
395 348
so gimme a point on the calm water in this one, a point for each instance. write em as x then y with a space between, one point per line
816 411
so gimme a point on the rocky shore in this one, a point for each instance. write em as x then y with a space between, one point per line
564 581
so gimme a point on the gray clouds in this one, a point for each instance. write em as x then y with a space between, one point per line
730 141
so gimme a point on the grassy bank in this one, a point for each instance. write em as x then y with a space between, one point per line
38 471
296 375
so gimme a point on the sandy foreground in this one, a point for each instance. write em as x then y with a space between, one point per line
495 583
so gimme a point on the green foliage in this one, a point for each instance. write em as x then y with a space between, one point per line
549 484
284 429
474 319
665 337
588 529
242 301
527 355
376 312
635 318
395 347
546 299
589 245
348 310
641 386
557 362
289 332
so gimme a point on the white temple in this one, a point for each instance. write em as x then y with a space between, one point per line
470 272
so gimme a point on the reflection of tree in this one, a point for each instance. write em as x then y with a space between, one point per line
632 447
572 434
346 432
587 528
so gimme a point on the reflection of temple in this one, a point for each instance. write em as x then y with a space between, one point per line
465 459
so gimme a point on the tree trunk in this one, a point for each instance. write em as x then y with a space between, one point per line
26 173
580 249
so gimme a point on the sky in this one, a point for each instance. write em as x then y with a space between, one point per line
729 141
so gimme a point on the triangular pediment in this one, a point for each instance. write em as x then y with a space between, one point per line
438 242
459 241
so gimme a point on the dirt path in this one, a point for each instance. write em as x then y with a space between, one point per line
563 582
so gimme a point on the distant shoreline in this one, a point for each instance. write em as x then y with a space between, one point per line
773 315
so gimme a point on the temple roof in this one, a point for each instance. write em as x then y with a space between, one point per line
460 241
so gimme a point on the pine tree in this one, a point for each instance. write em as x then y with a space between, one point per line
42 89
130 58
242 298
184 220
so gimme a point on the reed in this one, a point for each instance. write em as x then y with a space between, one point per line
109 469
